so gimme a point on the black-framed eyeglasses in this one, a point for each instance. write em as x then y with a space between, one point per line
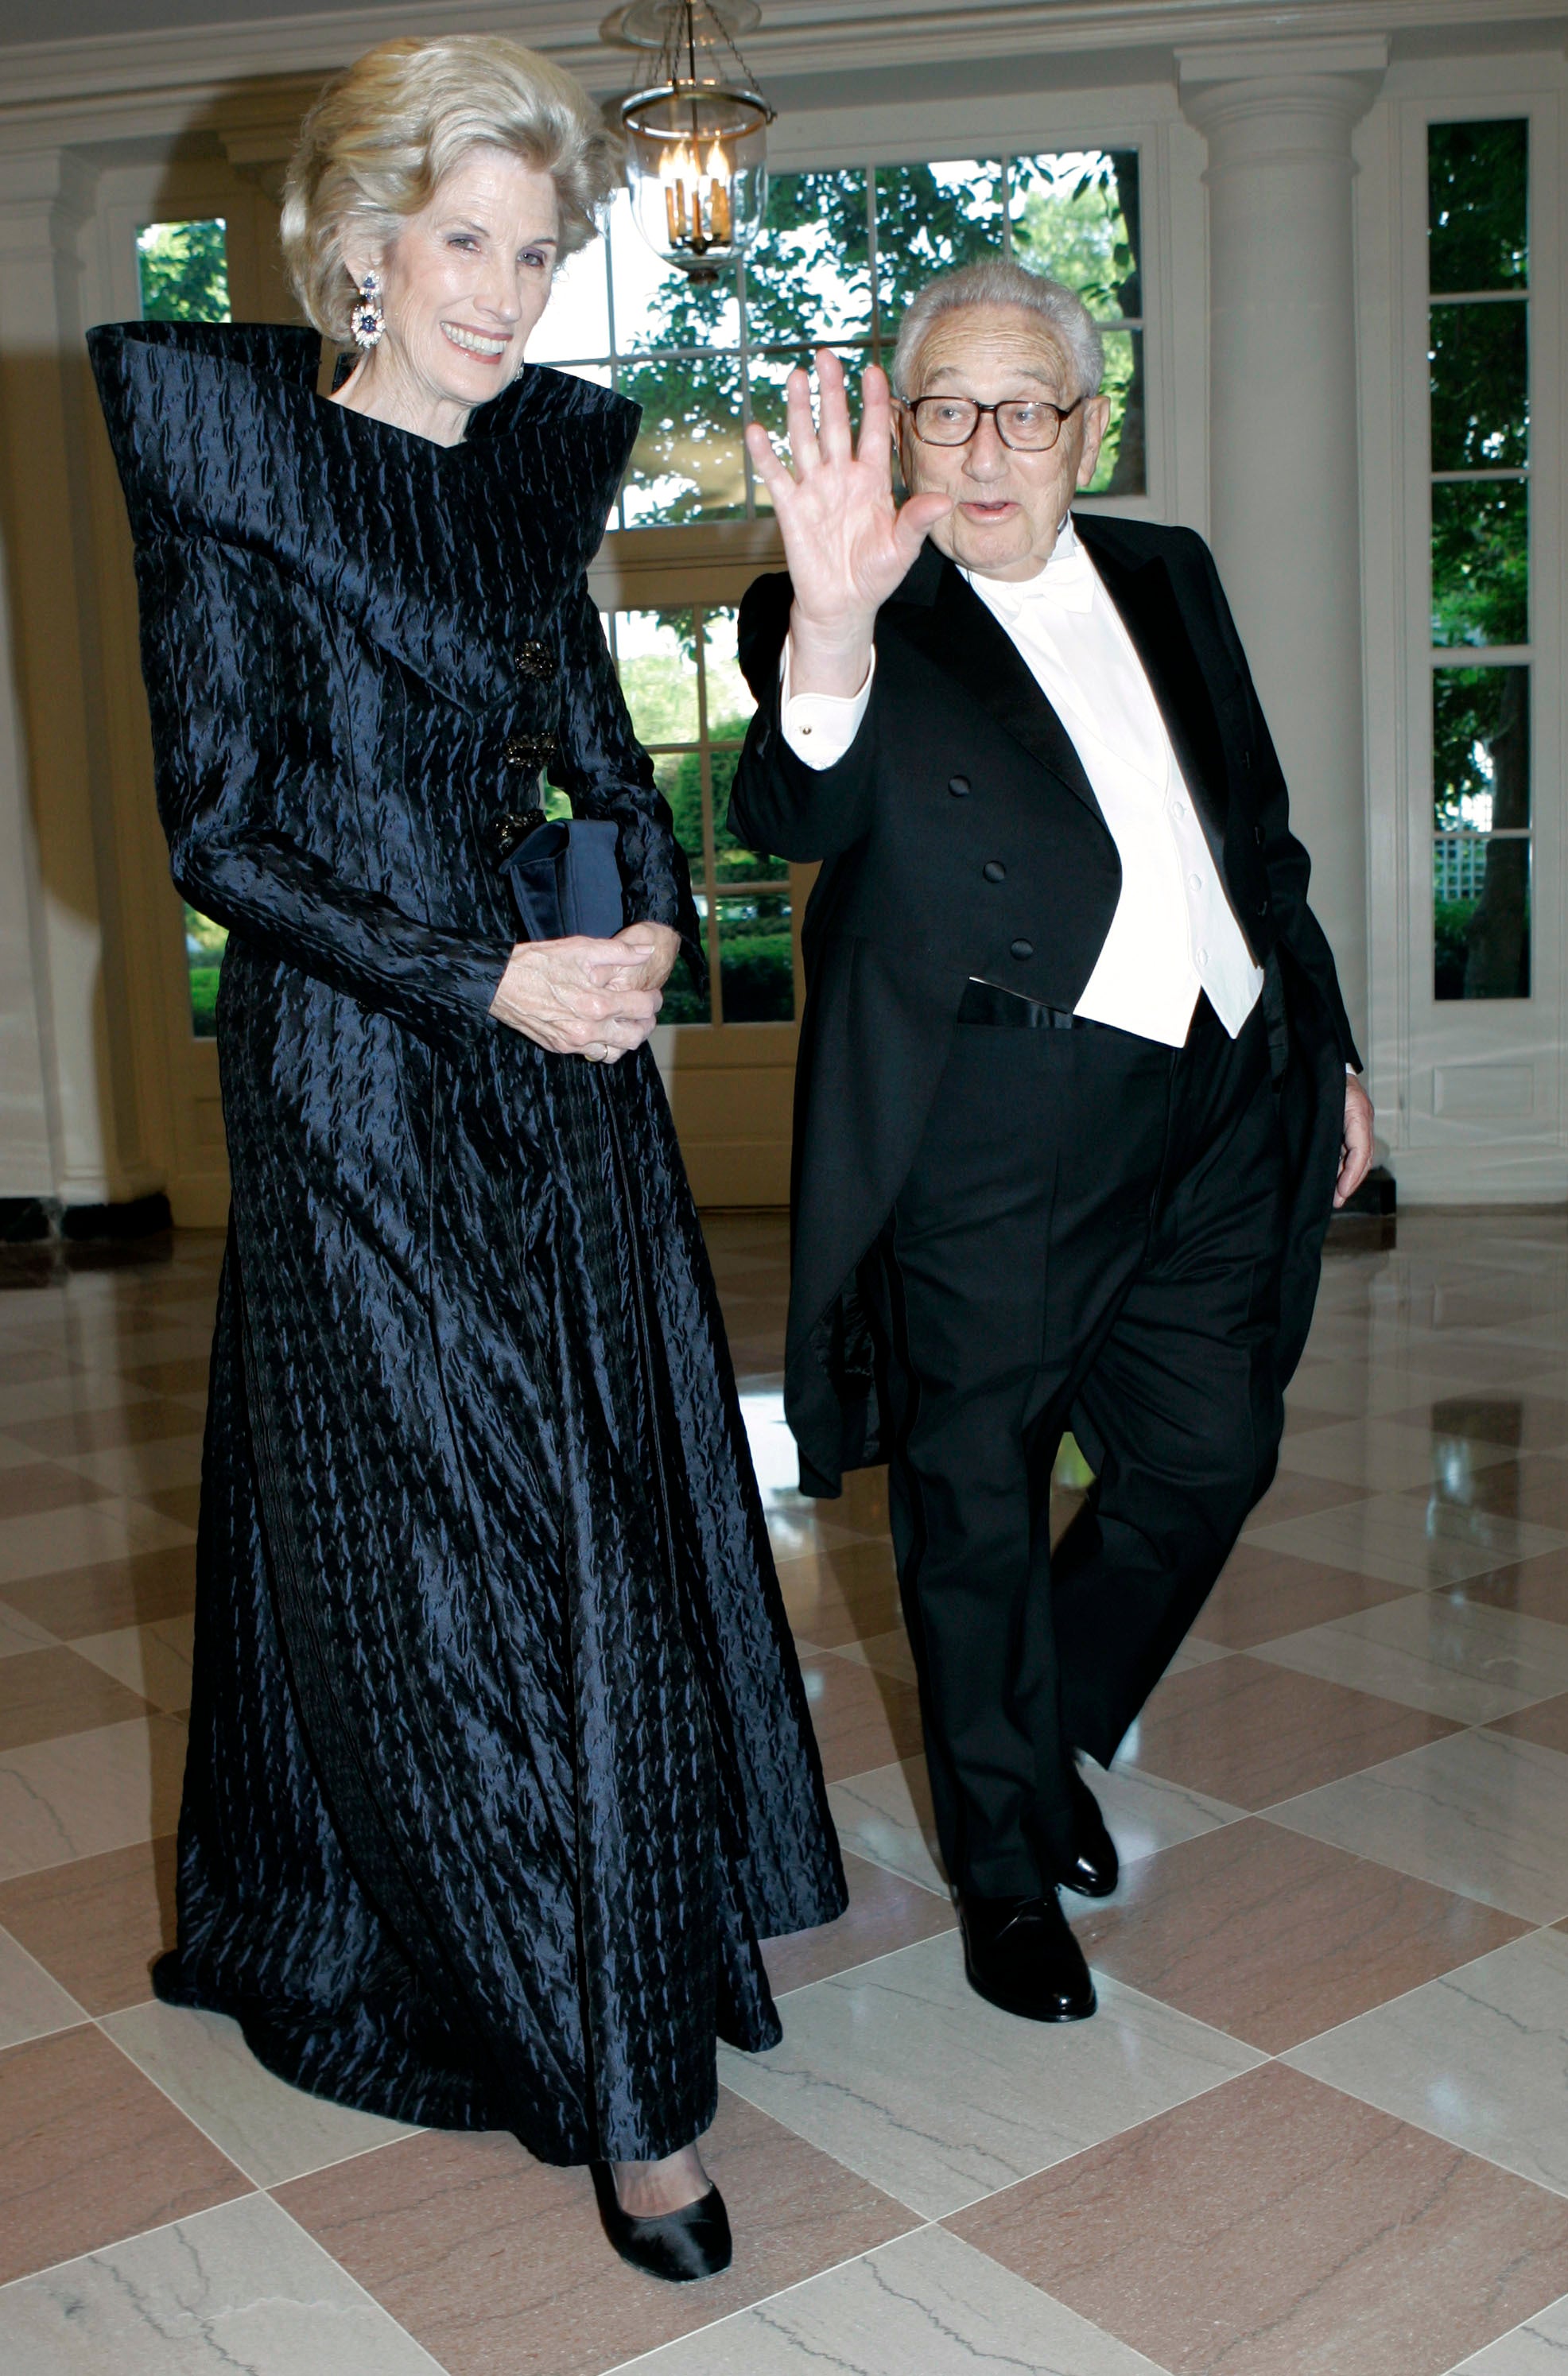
1025 423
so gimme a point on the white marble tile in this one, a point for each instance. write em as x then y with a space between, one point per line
44 1542
1384 1456
1195 1652
1540 2347
885 1815
927 2305
85 1792
31 2004
238 2292
1144 1813
1354 1388
152 1659
1479 1812
83 1390
110 1339
1437 1651
19 1633
900 2071
272 2131
795 1533
1480 2056
14 1453
135 1470
889 1653
1409 1543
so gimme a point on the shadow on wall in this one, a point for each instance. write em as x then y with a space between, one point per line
96 1018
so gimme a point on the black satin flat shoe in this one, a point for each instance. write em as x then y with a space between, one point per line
1095 1869
679 2246
1020 1954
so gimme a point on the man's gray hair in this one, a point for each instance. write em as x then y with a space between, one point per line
998 281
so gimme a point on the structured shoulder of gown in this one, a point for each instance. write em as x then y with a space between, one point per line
217 432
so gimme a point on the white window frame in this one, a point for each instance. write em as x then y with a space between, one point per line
1469 1092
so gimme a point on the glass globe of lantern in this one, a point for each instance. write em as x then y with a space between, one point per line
696 161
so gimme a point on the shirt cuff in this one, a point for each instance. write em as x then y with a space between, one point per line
820 727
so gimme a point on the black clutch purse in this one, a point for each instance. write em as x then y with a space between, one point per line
565 876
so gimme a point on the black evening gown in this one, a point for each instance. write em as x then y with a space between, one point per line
499 1763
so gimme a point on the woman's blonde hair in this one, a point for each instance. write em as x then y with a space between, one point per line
384 133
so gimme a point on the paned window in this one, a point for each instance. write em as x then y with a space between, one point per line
841 255
184 273
1478 348
691 707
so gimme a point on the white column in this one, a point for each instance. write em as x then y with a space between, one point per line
1284 495
67 1080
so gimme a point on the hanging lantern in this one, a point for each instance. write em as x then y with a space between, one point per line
696 139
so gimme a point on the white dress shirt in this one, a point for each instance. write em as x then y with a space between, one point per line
1173 933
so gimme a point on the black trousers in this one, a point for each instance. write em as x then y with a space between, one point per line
1090 1237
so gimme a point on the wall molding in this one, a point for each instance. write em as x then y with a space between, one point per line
85 82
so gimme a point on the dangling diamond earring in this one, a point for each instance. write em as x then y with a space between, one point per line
369 317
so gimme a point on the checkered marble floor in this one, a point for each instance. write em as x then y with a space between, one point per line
1318 2128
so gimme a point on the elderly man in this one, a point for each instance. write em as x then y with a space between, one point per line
1075 1074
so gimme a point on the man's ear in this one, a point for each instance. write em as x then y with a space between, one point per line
1097 420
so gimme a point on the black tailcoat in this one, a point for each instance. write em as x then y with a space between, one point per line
500 1762
960 835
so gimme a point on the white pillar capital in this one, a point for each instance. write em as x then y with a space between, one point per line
1268 103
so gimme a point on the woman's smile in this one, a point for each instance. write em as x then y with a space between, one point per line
488 346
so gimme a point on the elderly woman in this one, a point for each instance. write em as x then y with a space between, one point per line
499 1764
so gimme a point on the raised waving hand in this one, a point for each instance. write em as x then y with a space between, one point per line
848 543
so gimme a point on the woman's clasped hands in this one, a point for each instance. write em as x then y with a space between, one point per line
581 997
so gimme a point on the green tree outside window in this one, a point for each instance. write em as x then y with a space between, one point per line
1478 350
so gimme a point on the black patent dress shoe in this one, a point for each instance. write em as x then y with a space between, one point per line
679 2246
1020 1954
1094 1870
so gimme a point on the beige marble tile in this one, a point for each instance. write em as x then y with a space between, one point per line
1434 1650
885 1815
500 2266
927 2305
270 2130
137 1469
14 1454
31 2004
889 1653
1480 2056
88 1791
47 1541
1479 1812
1358 1389
1405 1541
900 2071
19 1633
1277 2228
1385 1456
152 1659
1197 1652
240 2288
80 1390
1540 2347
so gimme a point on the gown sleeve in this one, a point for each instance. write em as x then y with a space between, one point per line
241 753
606 773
